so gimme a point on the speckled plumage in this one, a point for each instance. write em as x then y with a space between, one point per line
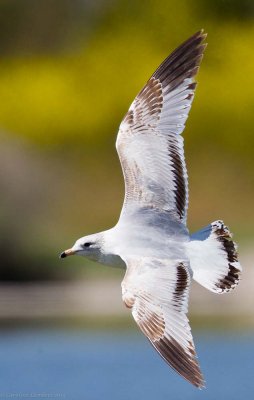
151 239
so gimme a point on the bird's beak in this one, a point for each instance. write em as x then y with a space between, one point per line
66 253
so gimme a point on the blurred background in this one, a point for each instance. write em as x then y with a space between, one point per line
68 73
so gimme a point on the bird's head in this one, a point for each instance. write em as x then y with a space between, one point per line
87 246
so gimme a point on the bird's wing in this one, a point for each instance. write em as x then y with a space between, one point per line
149 144
157 292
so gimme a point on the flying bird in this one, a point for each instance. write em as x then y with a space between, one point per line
151 239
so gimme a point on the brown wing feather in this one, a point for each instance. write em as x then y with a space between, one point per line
146 108
158 297
148 143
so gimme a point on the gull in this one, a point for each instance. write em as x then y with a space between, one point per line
151 239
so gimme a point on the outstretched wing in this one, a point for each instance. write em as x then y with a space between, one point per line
157 292
149 144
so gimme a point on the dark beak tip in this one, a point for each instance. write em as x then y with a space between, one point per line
62 255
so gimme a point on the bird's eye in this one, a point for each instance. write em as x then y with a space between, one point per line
87 244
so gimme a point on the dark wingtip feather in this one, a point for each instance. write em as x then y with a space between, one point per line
183 363
183 62
199 34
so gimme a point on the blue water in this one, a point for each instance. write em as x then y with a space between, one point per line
67 364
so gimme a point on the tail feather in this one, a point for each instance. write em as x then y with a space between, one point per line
214 258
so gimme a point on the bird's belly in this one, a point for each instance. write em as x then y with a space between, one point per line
135 240
146 246
169 249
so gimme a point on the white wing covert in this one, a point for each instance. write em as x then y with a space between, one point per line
157 291
149 144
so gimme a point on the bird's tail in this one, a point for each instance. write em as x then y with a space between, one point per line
214 259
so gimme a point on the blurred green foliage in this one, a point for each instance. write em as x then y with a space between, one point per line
68 72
